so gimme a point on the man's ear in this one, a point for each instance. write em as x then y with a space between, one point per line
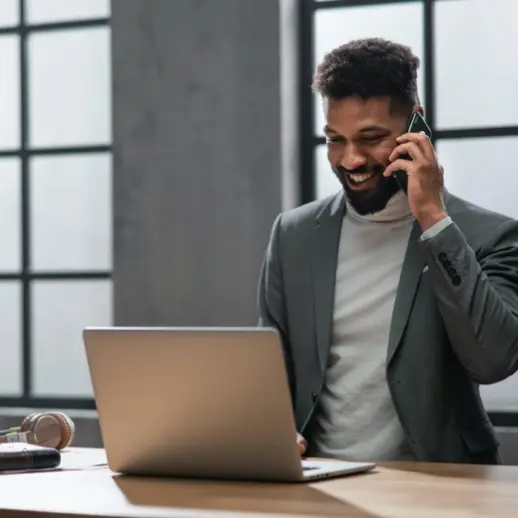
418 108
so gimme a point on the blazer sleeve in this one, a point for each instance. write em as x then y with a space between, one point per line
477 296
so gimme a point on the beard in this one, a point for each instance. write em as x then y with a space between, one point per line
368 201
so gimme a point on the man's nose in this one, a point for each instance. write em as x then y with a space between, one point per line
353 158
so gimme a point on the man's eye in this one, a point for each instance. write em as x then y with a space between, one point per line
334 139
372 138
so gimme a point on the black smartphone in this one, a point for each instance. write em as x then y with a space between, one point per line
416 125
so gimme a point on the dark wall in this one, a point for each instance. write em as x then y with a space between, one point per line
198 166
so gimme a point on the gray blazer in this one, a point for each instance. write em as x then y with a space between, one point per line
454 325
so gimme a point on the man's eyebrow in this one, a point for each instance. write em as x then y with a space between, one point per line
373 128
328 129
366 129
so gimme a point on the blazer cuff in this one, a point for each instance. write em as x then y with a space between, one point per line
446 255
436 229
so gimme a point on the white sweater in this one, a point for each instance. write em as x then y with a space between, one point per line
356 418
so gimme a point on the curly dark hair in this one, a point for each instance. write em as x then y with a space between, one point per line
370 67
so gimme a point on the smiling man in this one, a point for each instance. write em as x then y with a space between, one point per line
392 307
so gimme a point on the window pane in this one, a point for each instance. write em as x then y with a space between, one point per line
10 338
60 311
501 397
399 22
479 170
482 171
42 11
71 216
9 92
326 182
476 63
9 13
10 214
69 88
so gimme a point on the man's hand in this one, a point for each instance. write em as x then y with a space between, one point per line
425 177
301 443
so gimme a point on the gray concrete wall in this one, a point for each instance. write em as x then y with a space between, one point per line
198 167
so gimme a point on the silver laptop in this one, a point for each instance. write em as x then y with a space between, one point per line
199 403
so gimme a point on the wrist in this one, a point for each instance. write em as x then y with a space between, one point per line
430 218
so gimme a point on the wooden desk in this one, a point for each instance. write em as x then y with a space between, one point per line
84 487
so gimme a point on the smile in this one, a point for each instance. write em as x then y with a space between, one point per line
358 179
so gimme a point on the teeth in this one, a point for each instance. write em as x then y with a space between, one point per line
361 177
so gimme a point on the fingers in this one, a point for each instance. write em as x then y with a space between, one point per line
407 148
399 165
301 443
421 140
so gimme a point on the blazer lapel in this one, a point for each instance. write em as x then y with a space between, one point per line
411 272
324 251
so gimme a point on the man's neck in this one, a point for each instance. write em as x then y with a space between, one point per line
396 209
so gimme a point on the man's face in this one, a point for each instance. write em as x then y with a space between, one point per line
360 136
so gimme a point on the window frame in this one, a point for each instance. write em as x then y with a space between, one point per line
25 276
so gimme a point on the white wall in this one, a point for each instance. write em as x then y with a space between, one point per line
476 86
69 195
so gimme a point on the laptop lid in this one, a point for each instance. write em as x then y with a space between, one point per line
194 402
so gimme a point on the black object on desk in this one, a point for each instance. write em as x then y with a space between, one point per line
17 456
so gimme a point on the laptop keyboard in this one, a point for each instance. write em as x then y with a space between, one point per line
308 466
